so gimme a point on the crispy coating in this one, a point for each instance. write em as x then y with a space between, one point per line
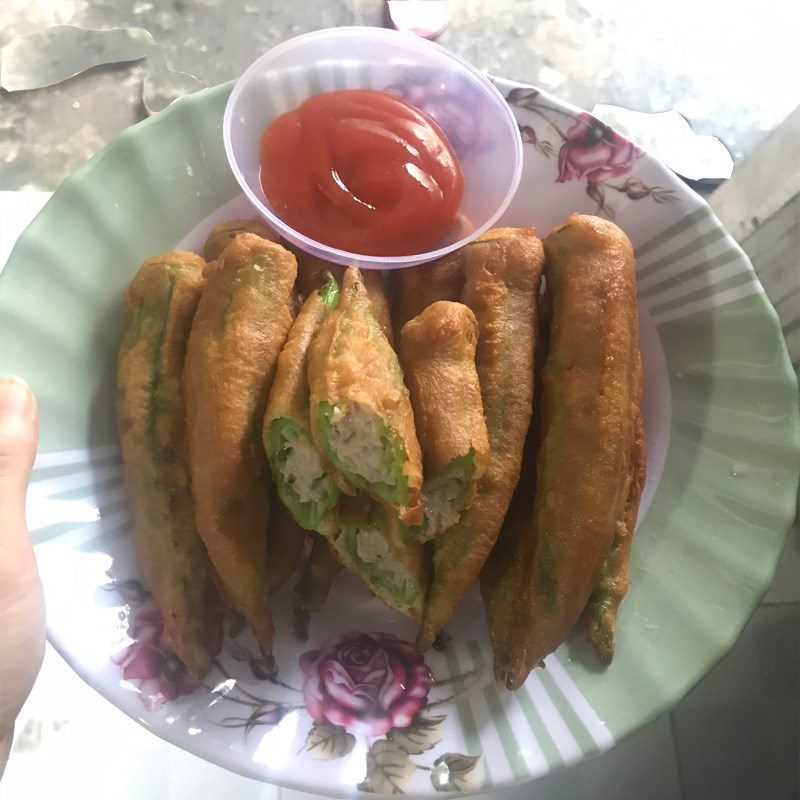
240 327
286 420
399 576
311 272
415 288
285 544
352 366
437 352
223 234
312 590
612 587
591 392
161 302
502 272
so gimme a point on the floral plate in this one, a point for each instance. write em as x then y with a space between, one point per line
356 707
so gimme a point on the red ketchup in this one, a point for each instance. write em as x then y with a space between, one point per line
362 171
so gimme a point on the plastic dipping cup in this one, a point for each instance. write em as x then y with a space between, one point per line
463 102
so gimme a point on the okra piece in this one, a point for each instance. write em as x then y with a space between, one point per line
304 485
150 406
312 590
612 587
361 417
312 273
415 288
285 544
437 352
590 400
242 322
502 273
223 234
377 547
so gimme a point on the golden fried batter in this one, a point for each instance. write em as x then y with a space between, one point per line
311 274
612 587
437 352
591 392
502 271
223 234
161 303
240 327
361 417
413 289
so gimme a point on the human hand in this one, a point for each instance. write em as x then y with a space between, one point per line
21 599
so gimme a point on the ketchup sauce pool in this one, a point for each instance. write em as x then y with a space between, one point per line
363 171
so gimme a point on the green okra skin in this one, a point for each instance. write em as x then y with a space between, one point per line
378 548
303 482
161 302
361 417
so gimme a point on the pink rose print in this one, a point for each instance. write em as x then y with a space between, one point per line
450 103
160 675
366 683
594 151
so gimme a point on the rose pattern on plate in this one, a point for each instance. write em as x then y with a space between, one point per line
590 151
158 674
369 687
365 683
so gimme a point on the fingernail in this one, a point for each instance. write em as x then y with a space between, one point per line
16 398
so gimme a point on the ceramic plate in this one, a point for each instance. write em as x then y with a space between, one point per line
721 414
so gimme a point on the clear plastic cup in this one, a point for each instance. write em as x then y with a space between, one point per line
462 100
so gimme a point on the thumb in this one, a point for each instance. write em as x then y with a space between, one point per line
21 605
18 435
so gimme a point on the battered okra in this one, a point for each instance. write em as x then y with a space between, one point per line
161 302
361 417
590 400
415 288
612 587
304 485
314 586
377 546
502 271
223 234
437 352
312 273
242 322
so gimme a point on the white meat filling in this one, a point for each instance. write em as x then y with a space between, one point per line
304 472
372 548
356 440
442 503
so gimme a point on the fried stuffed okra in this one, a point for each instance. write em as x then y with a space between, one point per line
312 274
590 398
415 288
223 234
502 271
303 483
376 546
612 587
437 352
361 417
241 324
312 590
161 303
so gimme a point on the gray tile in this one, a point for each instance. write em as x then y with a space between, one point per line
737 732
785 586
